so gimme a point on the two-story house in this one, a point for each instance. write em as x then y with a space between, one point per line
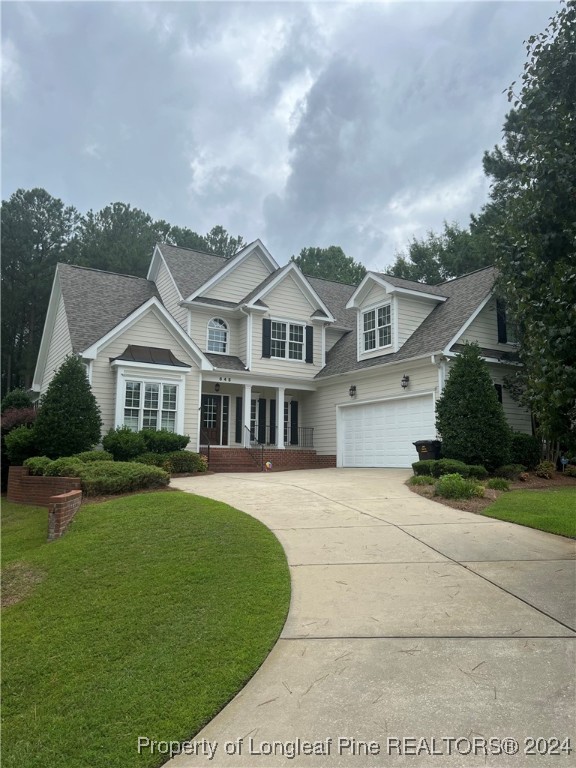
241 352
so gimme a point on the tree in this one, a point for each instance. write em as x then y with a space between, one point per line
534 183
69 418
469 417
36 233
452 253
330 263
220 242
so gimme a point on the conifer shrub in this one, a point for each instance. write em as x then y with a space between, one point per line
37 464
65 466
69 417
90 456
469 417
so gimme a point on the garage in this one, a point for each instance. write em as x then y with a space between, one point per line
380 434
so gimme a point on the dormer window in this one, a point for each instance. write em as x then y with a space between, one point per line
217 336
377 328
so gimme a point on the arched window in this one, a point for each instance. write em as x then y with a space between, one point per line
217 335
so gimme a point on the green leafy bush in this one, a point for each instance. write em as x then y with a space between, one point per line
17 398
124 444
570 470
89 456
457 487
151 459
21 444
421 480
102 478
477 471
498 484
37 464
66 466
525 449
424 467
546 469
186 461
510 471
449 467
162 441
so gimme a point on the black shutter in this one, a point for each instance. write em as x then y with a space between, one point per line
239 419
293 423
273 422
262 421
498 388
309 344
501 317
266 333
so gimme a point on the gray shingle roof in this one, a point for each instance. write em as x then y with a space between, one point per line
226 362
96 301
412 285
335 296
190 269
464 296
214 302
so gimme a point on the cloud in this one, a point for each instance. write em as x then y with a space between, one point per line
12 76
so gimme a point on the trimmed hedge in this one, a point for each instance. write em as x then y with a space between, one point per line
103 478
423 467
455 486
174 462
89 456
124 444
37 464
67 466
162 441
477 471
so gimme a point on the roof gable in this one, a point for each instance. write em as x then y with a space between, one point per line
189 269
394 285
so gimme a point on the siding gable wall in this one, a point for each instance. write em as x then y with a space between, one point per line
169 296
199 319
411 314
484 329
240 281
60 346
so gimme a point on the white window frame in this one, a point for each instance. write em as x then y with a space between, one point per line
226 329
127 373
376 328
288 325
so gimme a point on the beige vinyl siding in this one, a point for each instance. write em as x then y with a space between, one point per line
287 303
148 331
320 408
484 329
60 346
170 296
240 281
518 417
242 325
411 314
376 294
200 317
332 336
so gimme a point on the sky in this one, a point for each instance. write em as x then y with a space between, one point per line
357 124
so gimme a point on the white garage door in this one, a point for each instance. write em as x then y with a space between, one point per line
381 434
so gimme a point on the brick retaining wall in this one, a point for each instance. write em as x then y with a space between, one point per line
31 489
61 511
242 460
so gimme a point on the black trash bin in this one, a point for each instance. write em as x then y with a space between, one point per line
428 449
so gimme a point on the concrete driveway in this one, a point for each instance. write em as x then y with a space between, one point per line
416 632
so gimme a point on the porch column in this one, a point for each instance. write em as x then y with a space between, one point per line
280 417
247 405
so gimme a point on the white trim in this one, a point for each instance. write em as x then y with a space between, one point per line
288 323
169 322
151 366
47 331
249 339
374 308
356 298
468 322
152 377
235 261
292 269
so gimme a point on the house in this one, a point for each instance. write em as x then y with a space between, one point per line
243 352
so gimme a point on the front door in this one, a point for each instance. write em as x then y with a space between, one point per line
214 419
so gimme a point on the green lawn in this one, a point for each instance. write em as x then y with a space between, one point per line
553 511
143 620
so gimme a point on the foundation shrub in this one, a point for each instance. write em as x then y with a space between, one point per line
90 456
162 441
498 484
477 471
67 466
455 486
37 464
525 449
124 444
103 478
424 467
510 471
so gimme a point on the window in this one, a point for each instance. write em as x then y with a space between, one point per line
150 406
287 340
377 328
217 336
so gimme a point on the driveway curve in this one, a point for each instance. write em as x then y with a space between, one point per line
417 634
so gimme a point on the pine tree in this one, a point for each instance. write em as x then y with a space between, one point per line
69 418
469 417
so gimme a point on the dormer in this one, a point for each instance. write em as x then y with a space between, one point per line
389 310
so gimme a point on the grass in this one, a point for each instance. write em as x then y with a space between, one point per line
553 511
143 620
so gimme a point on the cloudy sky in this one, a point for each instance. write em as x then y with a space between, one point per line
353 124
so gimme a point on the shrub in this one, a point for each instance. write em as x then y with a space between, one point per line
570 470
449 467
151 459
424 467
66 466
103 478
69 417
546 469
525 449
162 441
510 471
469 417
477 471
89 456
16 417
124 444
20 444
16 400
457 487
37 464
186 461
498 484
421 480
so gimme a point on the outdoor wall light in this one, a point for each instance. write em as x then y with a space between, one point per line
216 387
405 381
352 390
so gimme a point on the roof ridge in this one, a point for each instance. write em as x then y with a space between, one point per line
326 280
197 250
467 274
102 271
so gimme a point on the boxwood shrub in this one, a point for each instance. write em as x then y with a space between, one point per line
89 456
449 467
423 467
477 471
37 464
454 486
103 478
162 441
124 444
